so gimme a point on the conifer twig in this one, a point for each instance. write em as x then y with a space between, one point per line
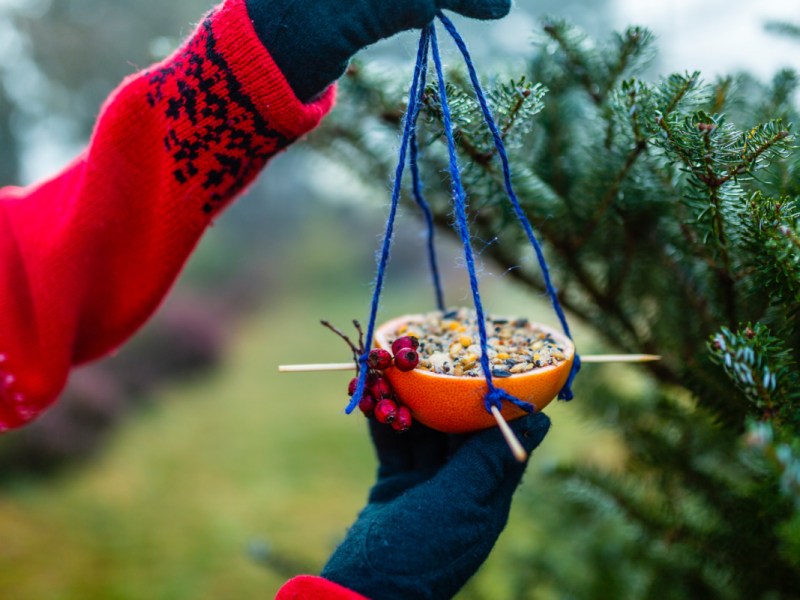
610 195
579 67
748 162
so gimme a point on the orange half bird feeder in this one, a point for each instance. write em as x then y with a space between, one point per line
447 402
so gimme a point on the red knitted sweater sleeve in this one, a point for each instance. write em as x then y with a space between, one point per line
309 587
86 256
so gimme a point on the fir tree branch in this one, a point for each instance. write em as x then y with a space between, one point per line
772 246
689 292
514 114
697 249
674 144
506 257
615 286
578 66
763 369
681 92
631 45
463 142
720 95
724 274
655 520
611 193
610 307
790 235
751 160
791 30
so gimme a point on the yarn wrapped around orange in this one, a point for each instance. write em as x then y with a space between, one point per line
454 404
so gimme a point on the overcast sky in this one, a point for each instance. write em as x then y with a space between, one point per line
716 36
713 36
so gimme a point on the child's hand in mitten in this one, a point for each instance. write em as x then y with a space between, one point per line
312 40
438 506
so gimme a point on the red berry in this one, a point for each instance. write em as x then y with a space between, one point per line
406 360
402 421
407 341
379 359
381 389
351 388
386 411
367 404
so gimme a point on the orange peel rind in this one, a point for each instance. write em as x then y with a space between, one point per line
454 404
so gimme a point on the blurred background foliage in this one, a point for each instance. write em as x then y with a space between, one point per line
184 467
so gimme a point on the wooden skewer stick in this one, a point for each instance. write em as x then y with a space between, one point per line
589 358
513 443
348 366
619 358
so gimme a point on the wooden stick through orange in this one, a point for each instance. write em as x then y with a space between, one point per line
513 443
589 358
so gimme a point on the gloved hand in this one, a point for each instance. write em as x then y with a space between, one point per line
312 40
434 515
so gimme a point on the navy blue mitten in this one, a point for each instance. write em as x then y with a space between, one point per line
434 514
312 40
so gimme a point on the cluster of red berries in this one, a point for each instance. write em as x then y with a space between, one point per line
405 354
379 399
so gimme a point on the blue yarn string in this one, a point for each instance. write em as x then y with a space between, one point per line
389 232
496 396
429 42
416 179
566 391
426 210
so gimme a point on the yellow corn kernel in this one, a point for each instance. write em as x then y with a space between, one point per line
503 355
465 340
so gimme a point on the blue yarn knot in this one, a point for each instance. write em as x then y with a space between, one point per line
361 385
497 396
566 391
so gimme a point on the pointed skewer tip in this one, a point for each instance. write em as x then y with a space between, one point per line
513 443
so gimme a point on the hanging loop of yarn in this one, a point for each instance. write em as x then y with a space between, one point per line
416 178
388 236
409 148
566 391
495 396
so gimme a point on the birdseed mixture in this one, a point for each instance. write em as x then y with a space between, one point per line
449 344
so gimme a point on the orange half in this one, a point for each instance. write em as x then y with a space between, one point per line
455 404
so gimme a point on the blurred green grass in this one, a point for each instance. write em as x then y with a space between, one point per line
245 455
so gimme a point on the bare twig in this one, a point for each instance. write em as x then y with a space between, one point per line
360 331
356 351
